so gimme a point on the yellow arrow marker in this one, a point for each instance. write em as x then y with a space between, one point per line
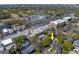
52 36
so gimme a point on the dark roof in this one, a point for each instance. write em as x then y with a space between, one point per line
26 44
28 50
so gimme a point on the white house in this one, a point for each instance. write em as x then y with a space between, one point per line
67 19
6 31
59 21
56 23
6 42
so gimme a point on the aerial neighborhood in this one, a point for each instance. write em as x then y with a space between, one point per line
39 30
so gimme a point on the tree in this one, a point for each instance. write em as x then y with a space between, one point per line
20 39
74 35
12 51
46 41
4 15
77 14
67 46
60 38
38 51
19 44
16 22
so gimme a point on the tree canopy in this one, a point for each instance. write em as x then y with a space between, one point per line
46 41
60 38
67 46
19 44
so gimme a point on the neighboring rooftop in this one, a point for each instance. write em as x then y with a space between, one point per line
6 42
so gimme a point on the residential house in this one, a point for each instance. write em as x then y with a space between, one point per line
7 29
67 19
19 28
57 23
27 47
7 44
28 50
